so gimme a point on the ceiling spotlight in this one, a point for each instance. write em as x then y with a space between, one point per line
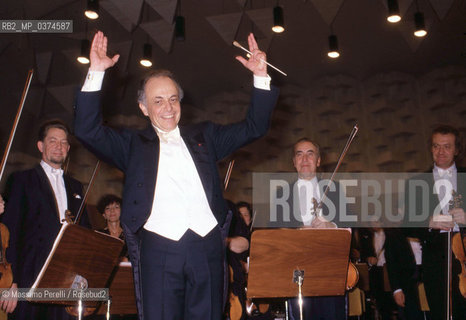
84 55
333 47
92 9
278 20
146 59
420 25
179 28
393 11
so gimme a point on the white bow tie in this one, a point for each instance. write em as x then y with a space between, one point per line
445 173
171 136
57 172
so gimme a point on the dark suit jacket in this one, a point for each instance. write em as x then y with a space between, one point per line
429 238
434 245
136 153
31 216
401 264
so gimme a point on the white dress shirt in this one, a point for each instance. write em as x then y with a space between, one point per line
55 177
445 183
379 242
180 202
307 190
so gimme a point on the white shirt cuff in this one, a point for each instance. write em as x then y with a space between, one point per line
262 82
94 80
397 290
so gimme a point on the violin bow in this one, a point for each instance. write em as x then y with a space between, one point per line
91 182
351 137
228 174
15 125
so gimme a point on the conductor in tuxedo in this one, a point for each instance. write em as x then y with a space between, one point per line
173 208
306 160
445 176
36 206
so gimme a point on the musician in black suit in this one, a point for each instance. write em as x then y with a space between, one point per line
292 204
373 243
306 160
404 258
37 202
173 209
446 145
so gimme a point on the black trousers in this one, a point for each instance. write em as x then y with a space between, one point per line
182 279
434 260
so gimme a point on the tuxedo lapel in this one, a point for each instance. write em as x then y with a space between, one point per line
197 147
47 191
74 197
150 159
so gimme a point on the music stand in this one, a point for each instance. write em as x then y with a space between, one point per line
121 292
79 251
321 254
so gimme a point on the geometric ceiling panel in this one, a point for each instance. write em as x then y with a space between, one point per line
241 2
263 19
226 25
43 61
441 7
132 9
161 32
123 49
64 95
166 8
327 9
117 14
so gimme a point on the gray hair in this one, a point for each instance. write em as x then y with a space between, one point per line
158 74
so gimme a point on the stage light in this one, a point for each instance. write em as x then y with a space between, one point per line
393 11
420 30
179 28
278 20
92 9
333 47
146 59
84 55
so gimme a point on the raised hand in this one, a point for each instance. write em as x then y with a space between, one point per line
98 54
258 67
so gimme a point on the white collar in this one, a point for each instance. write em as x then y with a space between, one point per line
49 169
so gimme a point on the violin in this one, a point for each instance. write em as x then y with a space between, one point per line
458 247
6 275
352 277
458 244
